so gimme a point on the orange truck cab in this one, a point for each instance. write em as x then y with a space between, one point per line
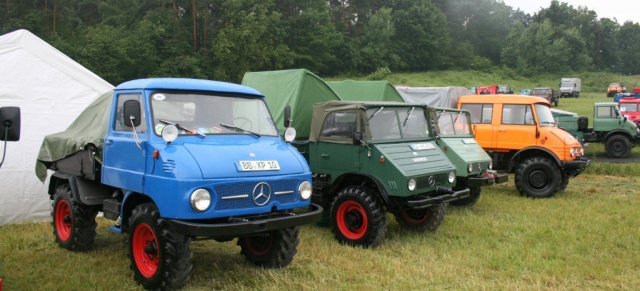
521 136
615 88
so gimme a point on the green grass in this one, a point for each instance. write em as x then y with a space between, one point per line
585 238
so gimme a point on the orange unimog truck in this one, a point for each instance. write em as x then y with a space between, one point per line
521 136
615 88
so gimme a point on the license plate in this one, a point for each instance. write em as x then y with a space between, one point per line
422 146
257 166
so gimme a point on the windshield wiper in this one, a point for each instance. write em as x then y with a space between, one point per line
188 130
374 114
410 111
239 129
547 122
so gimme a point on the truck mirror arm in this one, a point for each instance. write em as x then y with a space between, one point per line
135 134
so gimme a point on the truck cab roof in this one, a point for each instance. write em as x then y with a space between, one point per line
188 85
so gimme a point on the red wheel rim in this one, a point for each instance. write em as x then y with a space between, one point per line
63 220
145 250
352 220
259 245
415 217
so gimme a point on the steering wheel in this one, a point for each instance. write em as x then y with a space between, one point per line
242 122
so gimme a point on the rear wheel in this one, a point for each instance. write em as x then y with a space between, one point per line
357 218
74 224
474 195
274 249
428 219
160 259
538 177
618 146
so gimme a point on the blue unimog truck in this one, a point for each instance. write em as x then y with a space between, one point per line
170 160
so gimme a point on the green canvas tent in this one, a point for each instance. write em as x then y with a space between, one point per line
297 88
365 90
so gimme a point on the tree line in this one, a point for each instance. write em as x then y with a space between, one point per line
222 39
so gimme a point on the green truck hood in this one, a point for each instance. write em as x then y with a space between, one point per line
416 158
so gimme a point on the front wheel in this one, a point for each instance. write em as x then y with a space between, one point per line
538 177
474 195
160 259
618 146
357 218
428 219
274 249
74 224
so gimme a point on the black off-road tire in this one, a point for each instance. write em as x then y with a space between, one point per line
160 259
474 196
358 218
74 224
538 177
275 249
617 146
428 219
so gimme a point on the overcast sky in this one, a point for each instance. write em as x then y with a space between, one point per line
622 10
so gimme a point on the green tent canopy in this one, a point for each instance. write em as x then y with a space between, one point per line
365 90
297 88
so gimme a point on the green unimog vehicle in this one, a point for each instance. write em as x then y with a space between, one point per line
452 128
474 167
367 158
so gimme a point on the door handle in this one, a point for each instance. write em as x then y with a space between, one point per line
324 155
502 130
107 142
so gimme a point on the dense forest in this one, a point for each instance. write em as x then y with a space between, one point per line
222 39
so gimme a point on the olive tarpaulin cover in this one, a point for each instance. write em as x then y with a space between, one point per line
89 128
351 90
298 88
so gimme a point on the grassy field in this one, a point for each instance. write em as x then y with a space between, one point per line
585 238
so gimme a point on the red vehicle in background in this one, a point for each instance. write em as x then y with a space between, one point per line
630 107
486 90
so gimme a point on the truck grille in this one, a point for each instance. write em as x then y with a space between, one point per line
425 181
240 196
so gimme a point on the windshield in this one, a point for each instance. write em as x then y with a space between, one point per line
398 123
545 118
628 107
567 84
211 114
614 85
453 123
540 91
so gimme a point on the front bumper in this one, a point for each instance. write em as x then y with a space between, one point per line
575 167
244 226
487 179
445 195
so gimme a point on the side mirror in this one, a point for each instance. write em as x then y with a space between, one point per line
287 116
10 119
357 138
132 113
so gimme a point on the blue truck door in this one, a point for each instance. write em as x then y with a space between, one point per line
124 159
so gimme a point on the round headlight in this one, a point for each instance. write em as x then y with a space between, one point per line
470 168
572 152
169 133
200 200
411 185
304 190
452 177
582 151
290 134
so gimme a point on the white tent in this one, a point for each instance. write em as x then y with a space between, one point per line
51 90
446 97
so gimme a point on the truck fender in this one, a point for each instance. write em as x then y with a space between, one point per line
615 132
524 152
129 202
87 192
379 185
